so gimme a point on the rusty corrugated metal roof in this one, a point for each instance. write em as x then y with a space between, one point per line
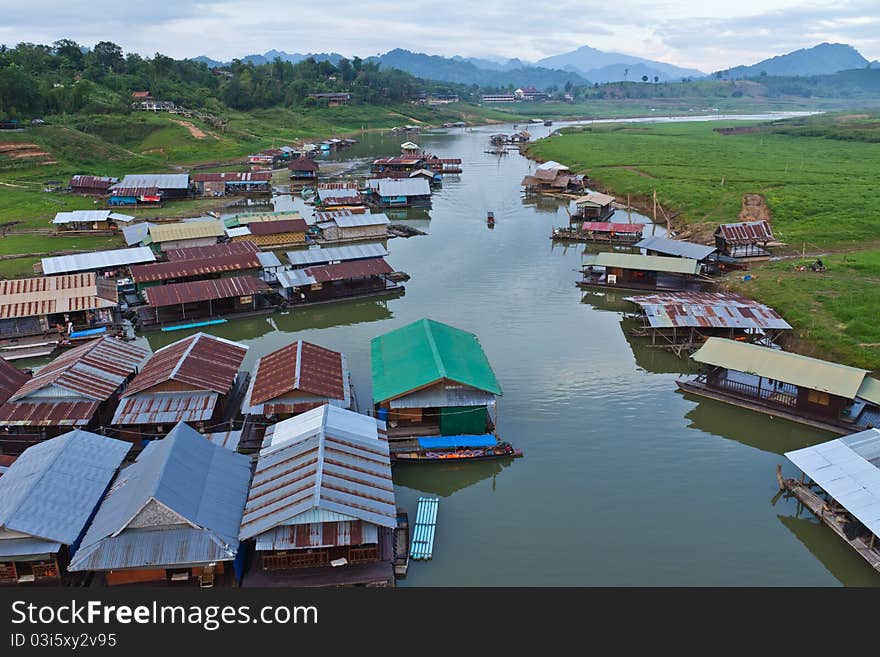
203 361
748 232
28 297
165 408
52 413
94 370
11 379
707 310
212 251
161 271
193 291
299 366
336 272
278 227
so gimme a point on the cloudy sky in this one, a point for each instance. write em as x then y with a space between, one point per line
692 33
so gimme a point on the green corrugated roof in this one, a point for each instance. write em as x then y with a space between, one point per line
650 263
870 390
424 352
785 366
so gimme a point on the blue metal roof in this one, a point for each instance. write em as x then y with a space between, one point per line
197 483
452 442
51 490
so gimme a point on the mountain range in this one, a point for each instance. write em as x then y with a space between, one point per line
585 65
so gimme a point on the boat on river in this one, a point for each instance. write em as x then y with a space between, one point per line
401 544
434 449
490 219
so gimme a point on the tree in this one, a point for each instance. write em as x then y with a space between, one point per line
625 74
69 50
644 78
108 56
656 79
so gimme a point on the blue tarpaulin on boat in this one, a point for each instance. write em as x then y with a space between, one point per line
94 331
451 442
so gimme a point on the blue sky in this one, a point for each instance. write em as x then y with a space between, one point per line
692 33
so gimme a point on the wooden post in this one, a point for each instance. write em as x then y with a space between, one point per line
655 207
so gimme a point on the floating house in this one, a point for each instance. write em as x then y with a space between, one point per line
747 239
303 170
221 250
106 262
553 178
167 185
601 232
432 379
79 389
343 280
663 246
399 192
224 184
641 272
785 385
684 320
203 299
843 489
347 226
593 206
37 306
162 273
48 495
91 185
338 196
90 220
171 517
185 234
321 508
271 234
247 218
296 378
193 380
327 255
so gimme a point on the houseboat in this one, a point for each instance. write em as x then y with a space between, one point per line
432 379
641 272
399 192
171 518
600 232
342 280
663 246
786 385
840 485
321 509
49 495
227 183
347 226
593 206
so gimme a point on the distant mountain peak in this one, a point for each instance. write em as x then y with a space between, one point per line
600 66
821 59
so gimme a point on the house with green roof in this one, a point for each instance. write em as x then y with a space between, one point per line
430 378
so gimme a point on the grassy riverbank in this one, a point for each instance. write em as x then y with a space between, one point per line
818 177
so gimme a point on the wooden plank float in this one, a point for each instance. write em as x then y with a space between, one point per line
424 529
832 515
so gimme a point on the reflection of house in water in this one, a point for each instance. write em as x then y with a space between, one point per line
345 312
751 429
444 479
842 563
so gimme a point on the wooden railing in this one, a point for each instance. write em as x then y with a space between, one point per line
747 390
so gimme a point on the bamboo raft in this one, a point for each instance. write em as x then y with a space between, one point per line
424 529
831 514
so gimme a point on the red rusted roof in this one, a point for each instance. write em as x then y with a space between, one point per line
608 227
303 164
95 370
202 361
28 297
48 413
748 232
135 191
230 176
299 366
211 251
160 271
349 269
193 291
11 379
278 227
93 182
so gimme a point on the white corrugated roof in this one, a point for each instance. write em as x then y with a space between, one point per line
97 260
364 219
325 255
402 187
89 216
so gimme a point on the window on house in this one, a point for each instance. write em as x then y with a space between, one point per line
816 397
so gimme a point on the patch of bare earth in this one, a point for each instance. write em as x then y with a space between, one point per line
193 130
754 208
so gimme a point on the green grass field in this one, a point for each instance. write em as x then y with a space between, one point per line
818 177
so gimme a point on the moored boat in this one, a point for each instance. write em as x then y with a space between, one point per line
432 449
401 544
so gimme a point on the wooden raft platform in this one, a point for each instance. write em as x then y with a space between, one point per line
424 529
832 515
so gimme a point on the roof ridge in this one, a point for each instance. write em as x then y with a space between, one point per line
194 339
319 466
438 360
298 366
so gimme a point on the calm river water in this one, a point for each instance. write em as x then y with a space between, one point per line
624 481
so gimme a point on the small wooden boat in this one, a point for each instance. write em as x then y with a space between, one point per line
490 219
401 544
454 448
548 123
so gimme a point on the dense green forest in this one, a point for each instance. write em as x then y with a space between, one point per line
66 78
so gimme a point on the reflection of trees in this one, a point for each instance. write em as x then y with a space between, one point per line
444 479
840 560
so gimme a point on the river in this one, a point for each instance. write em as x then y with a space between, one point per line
624 481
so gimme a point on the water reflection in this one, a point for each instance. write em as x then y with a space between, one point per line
652 359
845 565
444 479
609 300
752 428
